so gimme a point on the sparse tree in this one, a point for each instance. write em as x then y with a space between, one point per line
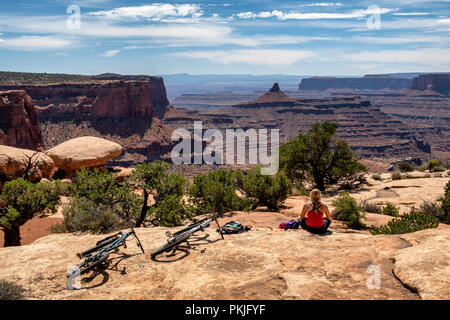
170 208
23 200
31 165
319 158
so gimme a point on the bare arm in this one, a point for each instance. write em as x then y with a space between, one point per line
305 208
326 211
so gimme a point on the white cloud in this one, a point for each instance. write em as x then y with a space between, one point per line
432 57
34 43
423 38
110 53
155 12
295 15
268 57
324 4
412 13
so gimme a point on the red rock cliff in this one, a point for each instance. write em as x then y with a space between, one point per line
436 82
123 100
143 98
19 125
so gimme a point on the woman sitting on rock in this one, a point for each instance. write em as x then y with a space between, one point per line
311 218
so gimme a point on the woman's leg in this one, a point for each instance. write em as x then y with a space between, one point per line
326 224
303 224
308 228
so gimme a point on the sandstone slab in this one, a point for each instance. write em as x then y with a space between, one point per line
83 152
14 161
259 264
425 267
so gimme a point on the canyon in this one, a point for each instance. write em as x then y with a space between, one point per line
403 118
125 110
367 129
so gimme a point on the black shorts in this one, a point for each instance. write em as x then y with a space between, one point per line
319 230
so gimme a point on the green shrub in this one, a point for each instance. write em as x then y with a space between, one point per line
347 210
24 200
434 166
10 291
405 166
270 191
396 175
445 203
377 177
216 192
391 210
319 158
169 209
117 199
84 215
370 207
434 209
410 222
299 191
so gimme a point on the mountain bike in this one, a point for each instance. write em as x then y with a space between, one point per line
99 254
182 236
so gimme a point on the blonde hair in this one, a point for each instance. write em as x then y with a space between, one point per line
315 196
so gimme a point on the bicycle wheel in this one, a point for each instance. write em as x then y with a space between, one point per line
94 263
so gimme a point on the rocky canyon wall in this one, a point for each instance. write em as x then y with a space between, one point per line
435 82
122 110
19 125
364 83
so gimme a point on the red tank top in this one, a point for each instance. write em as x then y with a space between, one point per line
314 218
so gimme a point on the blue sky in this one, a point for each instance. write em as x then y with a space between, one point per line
225 37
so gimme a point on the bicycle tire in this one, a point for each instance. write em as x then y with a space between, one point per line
104 256
166 247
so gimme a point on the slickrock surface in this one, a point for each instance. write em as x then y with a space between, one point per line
260 264
264 263
425 267
405 193
19 125
13 163
83 152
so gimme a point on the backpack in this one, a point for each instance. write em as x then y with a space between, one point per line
291 224
234 227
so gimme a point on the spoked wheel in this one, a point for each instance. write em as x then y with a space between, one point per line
94 263
84 268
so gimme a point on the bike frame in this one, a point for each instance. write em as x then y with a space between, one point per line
175 240
112 246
